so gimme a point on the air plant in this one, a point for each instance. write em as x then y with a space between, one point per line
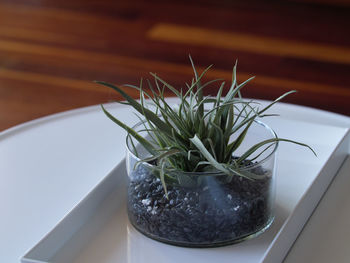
196 135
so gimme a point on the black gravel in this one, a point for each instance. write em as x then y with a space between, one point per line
214 213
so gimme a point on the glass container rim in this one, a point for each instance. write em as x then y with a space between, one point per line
214 173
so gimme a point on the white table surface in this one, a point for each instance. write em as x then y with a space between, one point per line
48 165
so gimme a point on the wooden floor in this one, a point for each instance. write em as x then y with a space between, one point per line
51 51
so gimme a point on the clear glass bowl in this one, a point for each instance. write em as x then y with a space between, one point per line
203 209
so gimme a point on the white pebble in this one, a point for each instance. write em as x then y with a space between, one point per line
146 202
229 196
154 211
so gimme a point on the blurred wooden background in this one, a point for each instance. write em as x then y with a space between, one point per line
51 51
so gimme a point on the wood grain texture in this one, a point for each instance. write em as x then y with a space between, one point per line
52 51
250 43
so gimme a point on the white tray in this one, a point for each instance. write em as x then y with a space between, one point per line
97 230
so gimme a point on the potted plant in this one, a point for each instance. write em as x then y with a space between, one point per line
201 173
